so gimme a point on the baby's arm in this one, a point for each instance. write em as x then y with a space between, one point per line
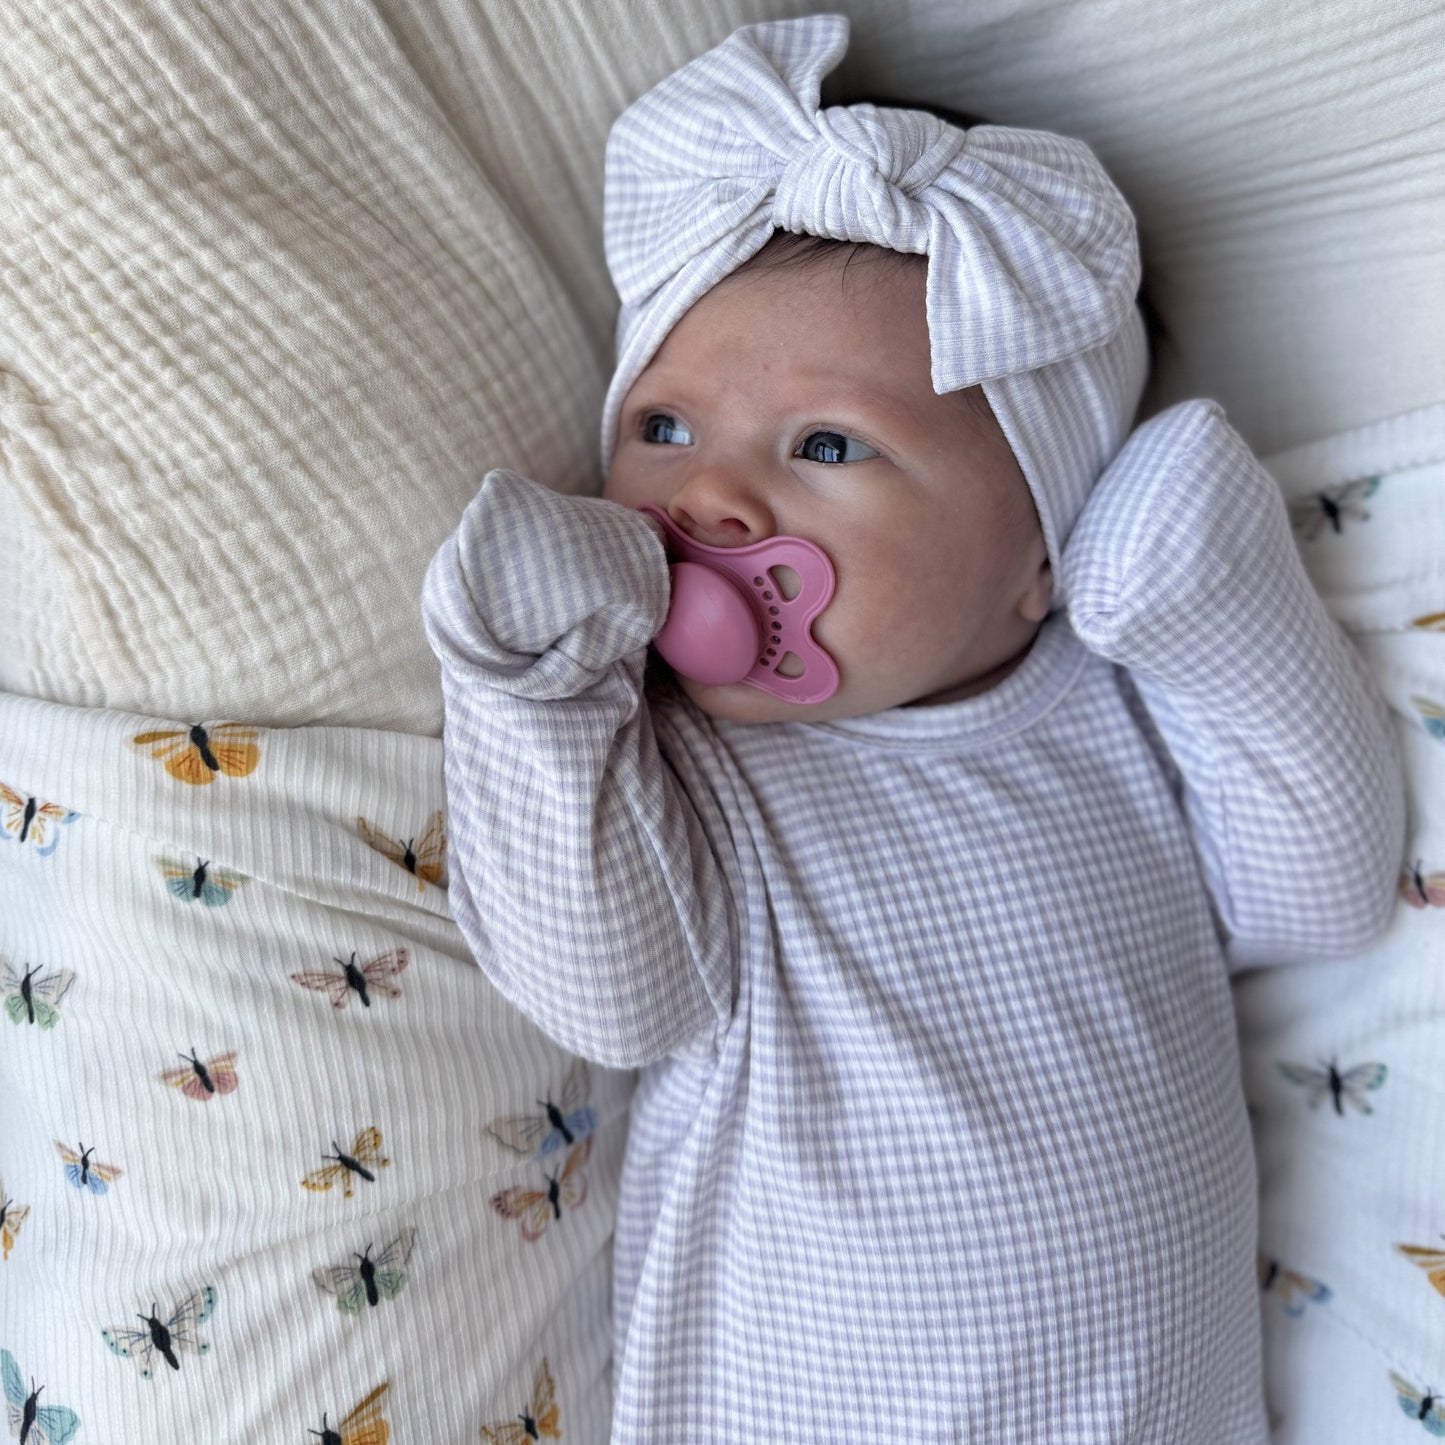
581 874
1183 570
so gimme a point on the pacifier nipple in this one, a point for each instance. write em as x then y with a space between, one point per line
731 621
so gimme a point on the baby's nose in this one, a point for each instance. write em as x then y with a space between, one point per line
720 506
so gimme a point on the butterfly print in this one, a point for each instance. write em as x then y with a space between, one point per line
425 861
85 1172
1294 1290
1330 506
32 1422
380 975
536 1209
28 820
195 755
12 1216
179 1334
1422 890
365 1156
203 1081
1422 1405
365 1425
34 997
557 1126
1430 1258
1349 1087
1432 716
369 1281
539 1418
211 886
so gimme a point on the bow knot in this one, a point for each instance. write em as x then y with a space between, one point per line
864 173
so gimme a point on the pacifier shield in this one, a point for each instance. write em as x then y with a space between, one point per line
730 621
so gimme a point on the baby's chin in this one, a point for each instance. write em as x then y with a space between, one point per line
738 702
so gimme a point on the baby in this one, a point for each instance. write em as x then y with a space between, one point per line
919 905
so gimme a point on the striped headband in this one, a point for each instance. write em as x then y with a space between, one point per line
1033 263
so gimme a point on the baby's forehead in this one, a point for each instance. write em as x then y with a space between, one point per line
786 251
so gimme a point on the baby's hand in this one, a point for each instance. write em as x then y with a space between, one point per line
1178 555
543 593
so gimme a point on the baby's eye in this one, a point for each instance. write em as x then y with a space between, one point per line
833 446
665 429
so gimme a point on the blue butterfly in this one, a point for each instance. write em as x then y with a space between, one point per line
1344 1088
85 1173
169 1338
1428 1408
1295 1290
1432 715
34 1423
557 1126
1330 506
213 886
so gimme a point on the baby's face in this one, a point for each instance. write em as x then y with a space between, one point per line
798 400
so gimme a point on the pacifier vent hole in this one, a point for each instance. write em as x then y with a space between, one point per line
788 583
790 666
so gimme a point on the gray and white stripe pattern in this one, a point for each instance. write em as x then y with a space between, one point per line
941 1132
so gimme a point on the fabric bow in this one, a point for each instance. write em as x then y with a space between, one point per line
1032 256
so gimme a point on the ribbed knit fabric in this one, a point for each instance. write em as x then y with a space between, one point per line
1345 1185
243 969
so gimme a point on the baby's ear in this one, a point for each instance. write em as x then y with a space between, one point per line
1034 602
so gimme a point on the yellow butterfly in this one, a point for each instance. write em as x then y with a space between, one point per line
28 818
538 1419
195 755
1430 1258
363 1426
535 1209
12 1216
426 860
365 1156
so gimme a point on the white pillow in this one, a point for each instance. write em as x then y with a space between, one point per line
281 286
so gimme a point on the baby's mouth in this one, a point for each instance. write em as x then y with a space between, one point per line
745 614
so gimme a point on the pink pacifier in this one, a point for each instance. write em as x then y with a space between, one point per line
730 622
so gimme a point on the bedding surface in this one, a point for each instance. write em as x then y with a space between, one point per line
279 284
1342 1059
269 1141
283 282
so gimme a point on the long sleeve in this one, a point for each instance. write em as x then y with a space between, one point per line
1182 569
581 874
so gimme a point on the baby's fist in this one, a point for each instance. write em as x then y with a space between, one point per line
1177 551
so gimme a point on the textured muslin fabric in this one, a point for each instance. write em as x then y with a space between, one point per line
943 1098
280 284
147 919
1033 264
